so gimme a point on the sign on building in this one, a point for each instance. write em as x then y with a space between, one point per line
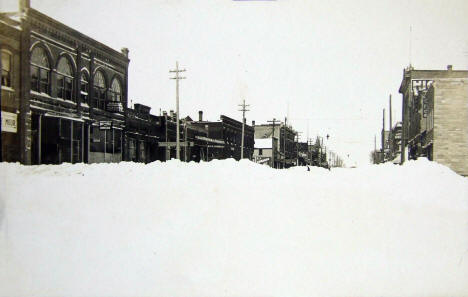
105 125
420 85
9 122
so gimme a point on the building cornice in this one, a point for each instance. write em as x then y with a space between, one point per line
71 37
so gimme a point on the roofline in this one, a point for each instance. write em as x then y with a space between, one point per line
75 34
406 74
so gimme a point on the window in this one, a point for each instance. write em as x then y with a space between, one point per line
84 86
64 79
40 71
99 99
6 69
116 91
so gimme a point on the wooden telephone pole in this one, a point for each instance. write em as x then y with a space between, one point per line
177 78
274 121
284 141
243 109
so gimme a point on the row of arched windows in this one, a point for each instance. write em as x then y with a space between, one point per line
40 81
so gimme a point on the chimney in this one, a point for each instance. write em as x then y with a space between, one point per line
200 115
125 51
24 4
164 113
449 67
253 123
171 114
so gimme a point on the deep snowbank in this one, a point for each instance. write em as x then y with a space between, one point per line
229 228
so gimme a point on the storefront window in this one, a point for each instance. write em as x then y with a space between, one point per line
77 142
109 141
65 141
117 141
132 149
6 69
97 140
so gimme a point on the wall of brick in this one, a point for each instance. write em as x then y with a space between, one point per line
451 124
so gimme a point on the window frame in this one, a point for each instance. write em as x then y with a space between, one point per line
8 76
41 84
65 88
114 95
84 94
99 94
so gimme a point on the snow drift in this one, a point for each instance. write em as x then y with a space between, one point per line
229 228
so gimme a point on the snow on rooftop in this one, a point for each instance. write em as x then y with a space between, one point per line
228 228
263 143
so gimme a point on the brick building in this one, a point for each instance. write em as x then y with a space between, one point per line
285 149
142 134
223 138
68 92
10 49
189 135
435 116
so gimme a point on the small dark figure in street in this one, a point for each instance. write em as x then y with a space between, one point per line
308 168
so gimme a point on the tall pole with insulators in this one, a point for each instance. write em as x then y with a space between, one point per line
284 141
243 109
177 78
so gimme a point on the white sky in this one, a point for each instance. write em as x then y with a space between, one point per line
335 62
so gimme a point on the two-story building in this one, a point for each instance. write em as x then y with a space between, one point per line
284 151
68 91
224 139
413 86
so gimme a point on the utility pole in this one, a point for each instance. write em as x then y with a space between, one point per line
284 142
185 141
272 142
177 78
243 109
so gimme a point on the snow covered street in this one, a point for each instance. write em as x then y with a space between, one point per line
228 228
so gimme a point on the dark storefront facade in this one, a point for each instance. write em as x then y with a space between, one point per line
223 139
142 134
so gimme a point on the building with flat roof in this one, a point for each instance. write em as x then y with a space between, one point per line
435 116
65 92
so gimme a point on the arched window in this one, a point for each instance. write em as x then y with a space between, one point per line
84 87
99 99
64 79
6 69
40 71
116 91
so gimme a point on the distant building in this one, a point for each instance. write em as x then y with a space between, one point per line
435 116
223 138
394 143
284 149
263 153
302 153
189 134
